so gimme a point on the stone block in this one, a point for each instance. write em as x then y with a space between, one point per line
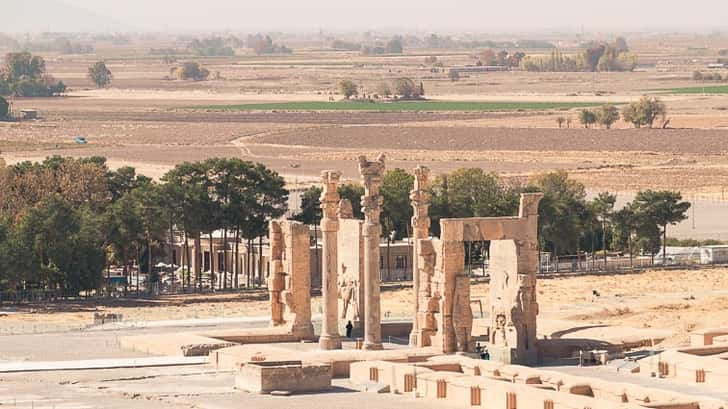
290 376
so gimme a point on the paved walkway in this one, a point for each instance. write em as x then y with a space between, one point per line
41 366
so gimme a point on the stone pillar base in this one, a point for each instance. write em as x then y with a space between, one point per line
372 346
304 332
413 337
420 338
328 342
512 356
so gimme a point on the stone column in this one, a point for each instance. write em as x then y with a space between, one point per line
330 338
372 174
276 281
420 198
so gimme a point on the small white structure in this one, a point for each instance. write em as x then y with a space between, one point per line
678 255
714 254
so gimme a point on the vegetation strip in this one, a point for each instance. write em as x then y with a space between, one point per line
400 106
713 89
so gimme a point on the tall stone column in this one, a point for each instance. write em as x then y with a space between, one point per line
276 281
420 199
330 338
372 174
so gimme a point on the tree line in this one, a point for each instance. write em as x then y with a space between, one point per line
399 88
24 75
594 57
569 223
641 113
64 221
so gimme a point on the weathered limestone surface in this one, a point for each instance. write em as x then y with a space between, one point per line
284 376
372 174
467 382
351 272
330 337
420 199
290 278
444 316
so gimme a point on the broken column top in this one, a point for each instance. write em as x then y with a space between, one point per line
346 211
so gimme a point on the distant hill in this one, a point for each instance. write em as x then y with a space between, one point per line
28 16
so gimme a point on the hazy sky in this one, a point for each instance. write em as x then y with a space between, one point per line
426 15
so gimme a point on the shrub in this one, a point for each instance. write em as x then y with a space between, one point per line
607 115
191 71
587 117
644 112
348 88
4 108
406 88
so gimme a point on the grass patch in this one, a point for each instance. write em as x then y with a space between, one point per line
713 89
401 106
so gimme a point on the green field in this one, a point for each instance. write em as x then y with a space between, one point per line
713 89
401 106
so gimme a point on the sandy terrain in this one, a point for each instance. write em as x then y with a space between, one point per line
677 300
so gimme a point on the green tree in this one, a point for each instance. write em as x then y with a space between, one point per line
4 108
25 76
187 186
148 198
191 71
471 192
603 208
587 117
353 193
24 65
626 224
397 210
348 88
661 208
100 75
406 88
268 199
394 46
125 233
607 115
560 211
311 214
644 112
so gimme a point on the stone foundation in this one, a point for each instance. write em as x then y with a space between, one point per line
284 376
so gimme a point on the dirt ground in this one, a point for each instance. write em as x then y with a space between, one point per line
144 119
675 300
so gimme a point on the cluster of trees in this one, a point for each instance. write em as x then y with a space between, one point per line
439 41
64 221
190 70
708 76
639 113
594 57
100 75
215 46
568 222
501 58
605 116
645 112
342 45
264 45
24 75
400 88
60 45
393 46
